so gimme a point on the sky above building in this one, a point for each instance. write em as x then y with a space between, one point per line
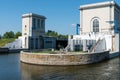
61 14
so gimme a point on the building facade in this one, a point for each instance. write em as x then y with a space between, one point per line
101 17
33 32
99 28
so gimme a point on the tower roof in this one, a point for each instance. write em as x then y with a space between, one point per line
33 15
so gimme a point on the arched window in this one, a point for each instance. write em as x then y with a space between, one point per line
95 25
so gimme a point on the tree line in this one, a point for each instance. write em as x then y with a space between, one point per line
55 34
10 34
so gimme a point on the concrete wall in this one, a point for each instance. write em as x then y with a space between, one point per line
63 59
4 50
90 39
25 41
49 42
26 26
116 20
114 54
17 44
116 42
103 14
100 46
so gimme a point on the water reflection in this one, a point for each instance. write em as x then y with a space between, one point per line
118 67
108 70
10 67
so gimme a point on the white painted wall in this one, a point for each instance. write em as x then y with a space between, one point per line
25 43
28 30
101 46
27 21
117 42
102 13
105 42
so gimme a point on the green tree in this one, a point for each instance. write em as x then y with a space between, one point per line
8 34
55 34
52 33
0 37
62 36
18 34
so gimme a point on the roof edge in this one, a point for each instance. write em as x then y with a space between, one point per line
33 15
100 4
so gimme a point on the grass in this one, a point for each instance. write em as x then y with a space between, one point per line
55 52
3 42
43 51
46 52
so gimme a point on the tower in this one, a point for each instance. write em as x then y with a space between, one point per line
33 28
33 25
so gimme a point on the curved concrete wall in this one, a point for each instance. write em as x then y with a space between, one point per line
63 59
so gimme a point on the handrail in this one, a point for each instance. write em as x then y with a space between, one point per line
94 46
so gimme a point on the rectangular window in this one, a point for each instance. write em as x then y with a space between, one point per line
36 43
31 43
42 23
34 23
38 23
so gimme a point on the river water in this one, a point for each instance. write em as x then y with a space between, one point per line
12 69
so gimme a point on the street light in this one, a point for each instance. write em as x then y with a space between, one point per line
77 28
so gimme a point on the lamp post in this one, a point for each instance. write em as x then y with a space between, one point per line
77 29
77 26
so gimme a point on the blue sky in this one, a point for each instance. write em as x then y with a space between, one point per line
61 14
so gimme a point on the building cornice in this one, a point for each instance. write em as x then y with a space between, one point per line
98 5
33 15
